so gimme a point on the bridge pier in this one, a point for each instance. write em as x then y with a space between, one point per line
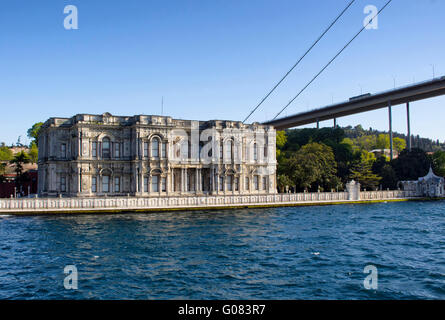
390 129
318 124
335 123
409 127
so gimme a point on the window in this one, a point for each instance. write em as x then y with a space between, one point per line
117 184
155 148
229 145
221 183
229 183
221 149
255 152
63 150
63 184
93 184
94 149
190 186
163 184
106 184
164 150
255 182
145 184
236 184
155 183
106 148
146 149
177 148
117 150
264 183
265 151
247 183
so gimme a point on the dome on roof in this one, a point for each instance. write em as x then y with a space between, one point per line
430 176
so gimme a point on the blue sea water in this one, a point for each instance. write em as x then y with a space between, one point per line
280 253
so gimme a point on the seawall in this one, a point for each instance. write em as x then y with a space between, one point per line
45 206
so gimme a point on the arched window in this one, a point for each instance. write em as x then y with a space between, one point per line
229 150
106 148
255 152
155 148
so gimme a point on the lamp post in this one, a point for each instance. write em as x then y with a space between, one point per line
434 71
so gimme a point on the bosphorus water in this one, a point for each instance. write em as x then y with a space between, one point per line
282 253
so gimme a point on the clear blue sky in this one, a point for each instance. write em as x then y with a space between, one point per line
211 59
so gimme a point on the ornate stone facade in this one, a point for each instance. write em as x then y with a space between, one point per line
144 155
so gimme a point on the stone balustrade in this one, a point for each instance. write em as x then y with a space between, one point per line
184 202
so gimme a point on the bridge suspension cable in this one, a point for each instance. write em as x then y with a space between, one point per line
332 60
299 60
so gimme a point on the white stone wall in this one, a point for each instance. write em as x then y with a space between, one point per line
150 203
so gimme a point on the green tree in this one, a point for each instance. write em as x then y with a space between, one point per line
33 152
281 139
313 167
439 163
362 172
5 153
33 132
382 141
2 171
283 180
399 144
410 165
389 177
18 161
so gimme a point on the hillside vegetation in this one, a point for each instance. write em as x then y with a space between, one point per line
325 159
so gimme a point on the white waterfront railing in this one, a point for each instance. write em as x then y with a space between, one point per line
135 203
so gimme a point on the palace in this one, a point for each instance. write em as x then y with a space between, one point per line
147 155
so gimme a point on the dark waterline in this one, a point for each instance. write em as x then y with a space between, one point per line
283 253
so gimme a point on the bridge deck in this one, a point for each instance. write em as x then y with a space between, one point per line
418 91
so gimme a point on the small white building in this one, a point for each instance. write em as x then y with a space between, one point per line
428 186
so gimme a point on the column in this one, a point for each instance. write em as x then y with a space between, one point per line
241 183
390 128
183 178
149 184
409 126
196 180
79 180
212 180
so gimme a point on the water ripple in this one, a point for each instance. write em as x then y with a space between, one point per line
282 253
